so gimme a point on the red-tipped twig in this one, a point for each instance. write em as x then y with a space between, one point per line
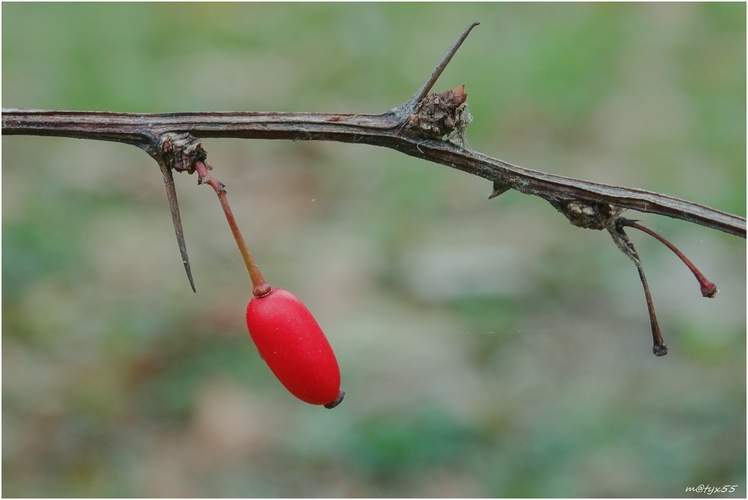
708 289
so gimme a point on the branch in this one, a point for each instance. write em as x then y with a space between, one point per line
428 127
387 130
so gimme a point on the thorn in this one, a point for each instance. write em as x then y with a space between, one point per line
176 219
498 188
186 262
411 103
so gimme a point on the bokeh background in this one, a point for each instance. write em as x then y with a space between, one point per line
488 348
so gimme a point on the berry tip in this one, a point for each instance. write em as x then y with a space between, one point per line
337 401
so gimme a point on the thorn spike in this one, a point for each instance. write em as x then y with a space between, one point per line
176 219
438 70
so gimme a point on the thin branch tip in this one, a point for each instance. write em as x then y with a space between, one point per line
659 348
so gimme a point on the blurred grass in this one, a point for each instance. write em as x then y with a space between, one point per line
487 348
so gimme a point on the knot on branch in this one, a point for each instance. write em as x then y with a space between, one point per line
442 116
179 151
587 214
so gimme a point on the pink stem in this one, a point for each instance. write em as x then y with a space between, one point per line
260 287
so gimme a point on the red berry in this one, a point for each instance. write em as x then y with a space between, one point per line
294 347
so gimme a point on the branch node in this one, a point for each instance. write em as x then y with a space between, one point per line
442 116
180 151
587 214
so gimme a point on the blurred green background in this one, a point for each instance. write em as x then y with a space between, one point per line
488 348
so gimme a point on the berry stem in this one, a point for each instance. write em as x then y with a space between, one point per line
260 287
708 289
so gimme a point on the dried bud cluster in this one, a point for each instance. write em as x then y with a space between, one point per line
587 214
442 116
180 151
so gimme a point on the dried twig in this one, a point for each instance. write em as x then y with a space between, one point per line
408 128
144 131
